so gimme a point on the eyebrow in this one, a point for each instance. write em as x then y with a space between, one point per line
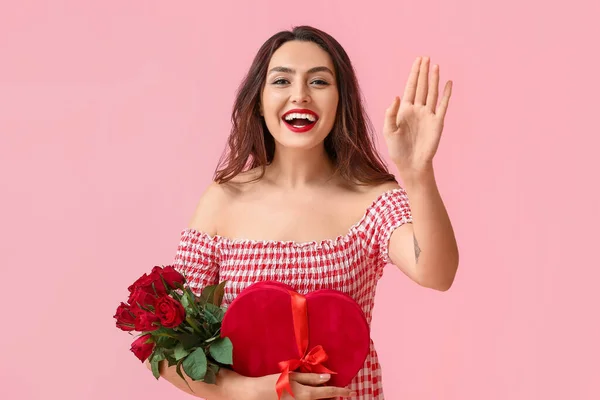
287 70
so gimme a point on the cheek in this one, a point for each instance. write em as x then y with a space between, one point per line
272 118
328 102
332 110
273 102
272 108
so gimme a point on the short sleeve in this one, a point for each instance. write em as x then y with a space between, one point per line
390 211
197 258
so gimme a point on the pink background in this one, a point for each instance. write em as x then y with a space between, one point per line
113 115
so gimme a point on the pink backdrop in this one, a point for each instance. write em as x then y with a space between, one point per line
113 115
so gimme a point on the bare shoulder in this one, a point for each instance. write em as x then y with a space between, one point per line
368 194
378 190
216 199
352 200
208 208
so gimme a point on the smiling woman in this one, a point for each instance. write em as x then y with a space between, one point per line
303 72
303 198
317 82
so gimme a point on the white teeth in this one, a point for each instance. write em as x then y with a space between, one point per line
309 117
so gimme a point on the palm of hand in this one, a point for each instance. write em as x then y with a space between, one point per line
413 127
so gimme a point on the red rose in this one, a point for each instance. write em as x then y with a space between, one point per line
143 280
140 298
169 311
125 318
149 283
145 321
171 276
141 349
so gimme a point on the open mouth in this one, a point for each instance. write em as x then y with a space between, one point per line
300 122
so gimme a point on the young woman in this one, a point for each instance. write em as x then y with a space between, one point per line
303 197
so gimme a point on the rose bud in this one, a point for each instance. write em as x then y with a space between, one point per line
141 349
171 276
125 318
149 283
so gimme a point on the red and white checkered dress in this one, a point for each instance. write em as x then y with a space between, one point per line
351 263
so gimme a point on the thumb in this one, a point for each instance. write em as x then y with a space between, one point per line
390 115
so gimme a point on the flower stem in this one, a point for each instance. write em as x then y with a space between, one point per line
166 335
193 325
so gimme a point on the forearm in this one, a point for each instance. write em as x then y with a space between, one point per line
435 243
228 384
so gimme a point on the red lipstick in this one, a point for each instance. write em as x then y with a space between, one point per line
300 129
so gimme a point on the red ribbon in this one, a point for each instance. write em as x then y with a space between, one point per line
310 361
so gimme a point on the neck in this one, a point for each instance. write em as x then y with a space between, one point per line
296 169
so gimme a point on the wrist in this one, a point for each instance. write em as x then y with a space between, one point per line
263 387
234 386
416 176
228 383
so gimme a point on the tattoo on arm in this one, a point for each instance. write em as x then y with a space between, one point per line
417 248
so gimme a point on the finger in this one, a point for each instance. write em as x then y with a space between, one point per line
443 107
309 379
327 392
411 85
432 96
422 83
390 115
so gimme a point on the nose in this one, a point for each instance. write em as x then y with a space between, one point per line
300 93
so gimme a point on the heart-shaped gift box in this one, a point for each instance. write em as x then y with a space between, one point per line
274 329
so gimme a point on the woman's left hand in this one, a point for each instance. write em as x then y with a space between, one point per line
413 125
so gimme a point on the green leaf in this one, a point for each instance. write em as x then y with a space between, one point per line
179 351
188 304
210 377
163 332
222 351
158 353
195 364
155 371
166 342
208 294
214 367
185 302
213 294
217 311
155 360
219 293
171 360
189 340
212 313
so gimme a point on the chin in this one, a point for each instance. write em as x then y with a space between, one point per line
302 141
298 145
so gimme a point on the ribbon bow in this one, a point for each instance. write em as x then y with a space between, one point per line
310 361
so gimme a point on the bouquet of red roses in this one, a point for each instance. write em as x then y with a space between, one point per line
176 325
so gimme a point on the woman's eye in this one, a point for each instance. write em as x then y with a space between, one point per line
282 81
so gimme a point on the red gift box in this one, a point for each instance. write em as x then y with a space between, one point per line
274 329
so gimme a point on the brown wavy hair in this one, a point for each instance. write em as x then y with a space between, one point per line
350 144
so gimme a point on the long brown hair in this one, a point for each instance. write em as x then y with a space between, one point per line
350 144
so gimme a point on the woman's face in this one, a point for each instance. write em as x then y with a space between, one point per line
300 77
